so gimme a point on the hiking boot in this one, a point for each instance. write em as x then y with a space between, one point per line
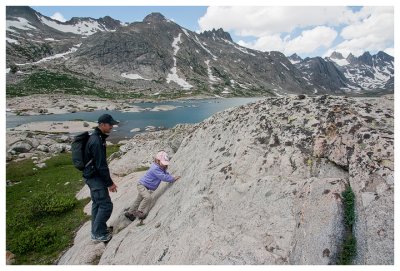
139 214
130 216
110 229
105 238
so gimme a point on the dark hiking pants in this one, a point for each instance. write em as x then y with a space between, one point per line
101 206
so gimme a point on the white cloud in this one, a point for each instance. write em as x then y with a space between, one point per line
307 42
389 51
59 17
379 24
372 33
311 40
286 29
265 43
261 21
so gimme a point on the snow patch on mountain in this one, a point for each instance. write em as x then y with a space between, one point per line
12 41
56 56
210 75
186 32
202 46
242 49
86 28
20 23
133 76
285 66
294 61
173 76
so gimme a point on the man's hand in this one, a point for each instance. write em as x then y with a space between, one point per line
177 178
113 188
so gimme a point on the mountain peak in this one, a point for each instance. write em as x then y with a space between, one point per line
351 58
366 58
336 55
384 56
154 18
295 58
219 33
19 11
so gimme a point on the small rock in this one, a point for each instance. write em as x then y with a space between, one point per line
57 148
10 258
66 127
301 97
41 165
43 148
9 157
21 155
64 138
158 225
85 124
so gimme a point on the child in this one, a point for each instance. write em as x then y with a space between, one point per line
148 183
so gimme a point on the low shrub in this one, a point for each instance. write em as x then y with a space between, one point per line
33 240
50 203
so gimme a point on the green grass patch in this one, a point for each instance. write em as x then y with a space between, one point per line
111 149
48 82
51 82
42 213
139 169
349 246
348 200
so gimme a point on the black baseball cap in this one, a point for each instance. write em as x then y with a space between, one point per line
106 118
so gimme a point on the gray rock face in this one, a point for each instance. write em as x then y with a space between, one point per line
139 57
86 252
139 152
21 147
371 73
324 75
262 183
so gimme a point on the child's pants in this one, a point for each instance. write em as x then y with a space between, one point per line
143 200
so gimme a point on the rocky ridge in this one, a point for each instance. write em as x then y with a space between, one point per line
159 57
261 184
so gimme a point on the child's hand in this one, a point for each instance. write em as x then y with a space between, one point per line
177 178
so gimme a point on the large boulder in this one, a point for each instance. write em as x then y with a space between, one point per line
262 184
57 148
21 147
139 152
86 251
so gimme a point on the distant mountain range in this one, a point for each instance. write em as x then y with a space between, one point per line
159 57
364 73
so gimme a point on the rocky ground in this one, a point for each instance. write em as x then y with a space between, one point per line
43 104
60 104
261 184
40 140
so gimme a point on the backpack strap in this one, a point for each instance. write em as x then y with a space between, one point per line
88 163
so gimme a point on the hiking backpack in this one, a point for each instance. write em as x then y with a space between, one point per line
78 150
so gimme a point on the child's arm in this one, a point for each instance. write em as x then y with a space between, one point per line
164 176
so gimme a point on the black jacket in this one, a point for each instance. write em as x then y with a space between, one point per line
96 149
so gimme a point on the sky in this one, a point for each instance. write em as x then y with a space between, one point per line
306 30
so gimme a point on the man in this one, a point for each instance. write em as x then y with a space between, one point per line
97 177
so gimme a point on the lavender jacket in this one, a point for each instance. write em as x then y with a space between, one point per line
153 177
